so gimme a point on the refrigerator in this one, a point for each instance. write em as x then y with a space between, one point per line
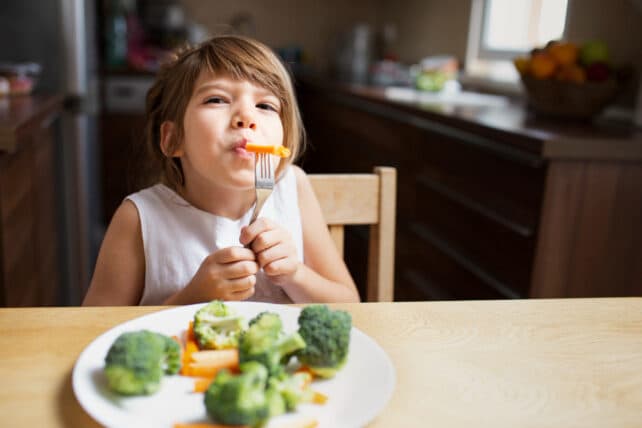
61 36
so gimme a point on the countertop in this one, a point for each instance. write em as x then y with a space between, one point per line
513 363
18 114
498 119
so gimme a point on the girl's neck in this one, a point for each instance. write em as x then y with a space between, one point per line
224 202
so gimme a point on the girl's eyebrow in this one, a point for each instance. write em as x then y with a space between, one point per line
207 86
224 86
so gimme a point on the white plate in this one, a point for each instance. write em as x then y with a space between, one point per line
356 394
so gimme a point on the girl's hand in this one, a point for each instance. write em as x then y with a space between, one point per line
274 248
227 274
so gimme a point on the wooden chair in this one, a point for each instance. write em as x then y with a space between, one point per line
359 199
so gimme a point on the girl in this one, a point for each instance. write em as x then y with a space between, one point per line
187 239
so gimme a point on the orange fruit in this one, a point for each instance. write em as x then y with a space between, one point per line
542 66
564 53
571 73
522 64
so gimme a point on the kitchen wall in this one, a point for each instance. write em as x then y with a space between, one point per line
311 24
430 27
423 27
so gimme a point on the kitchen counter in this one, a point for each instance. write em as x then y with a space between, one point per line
20 114
492 119
527 363
492 201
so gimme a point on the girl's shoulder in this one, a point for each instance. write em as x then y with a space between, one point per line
157 194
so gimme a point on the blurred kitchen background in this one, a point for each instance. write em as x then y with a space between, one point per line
434 88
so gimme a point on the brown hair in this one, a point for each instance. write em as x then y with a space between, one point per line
235 56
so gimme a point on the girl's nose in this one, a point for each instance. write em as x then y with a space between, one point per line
243 119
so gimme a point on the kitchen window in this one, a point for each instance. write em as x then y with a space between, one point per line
503 29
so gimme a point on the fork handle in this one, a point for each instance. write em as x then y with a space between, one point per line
261 197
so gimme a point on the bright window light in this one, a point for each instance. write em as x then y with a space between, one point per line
519 25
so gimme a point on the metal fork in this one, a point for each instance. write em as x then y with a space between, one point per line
263 181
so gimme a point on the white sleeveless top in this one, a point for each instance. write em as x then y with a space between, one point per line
178 236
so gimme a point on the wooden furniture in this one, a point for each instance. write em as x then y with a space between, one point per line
527 363
493 202
351 199
29 243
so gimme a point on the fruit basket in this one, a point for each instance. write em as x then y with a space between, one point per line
568 99
567 80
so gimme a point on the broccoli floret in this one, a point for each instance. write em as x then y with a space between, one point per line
239 399
217 326
265 342
136 362
294 389
327 337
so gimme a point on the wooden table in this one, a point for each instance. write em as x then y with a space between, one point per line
526 363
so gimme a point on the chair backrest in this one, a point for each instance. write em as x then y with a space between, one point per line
362 199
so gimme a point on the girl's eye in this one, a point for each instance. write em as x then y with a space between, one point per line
214 100
267 106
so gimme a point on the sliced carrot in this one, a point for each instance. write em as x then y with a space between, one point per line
190 348
201 369
279 150
219 357
190 332
202 384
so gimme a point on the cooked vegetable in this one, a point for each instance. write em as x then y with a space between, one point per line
201 384
136 362
293 388
279 150
217 326
208 363
327 337
265 342
239 399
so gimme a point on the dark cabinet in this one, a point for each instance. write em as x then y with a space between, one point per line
29 241
483 213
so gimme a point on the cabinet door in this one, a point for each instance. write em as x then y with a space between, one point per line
30 274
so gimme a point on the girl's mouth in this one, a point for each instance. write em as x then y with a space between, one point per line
239 149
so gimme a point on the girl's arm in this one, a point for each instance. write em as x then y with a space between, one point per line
324 277
119 276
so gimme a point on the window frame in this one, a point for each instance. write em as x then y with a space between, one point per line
482 62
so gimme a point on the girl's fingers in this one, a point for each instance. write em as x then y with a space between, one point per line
250 232
267 240
283 266
233 254
239 269
273 253
241 295
239 285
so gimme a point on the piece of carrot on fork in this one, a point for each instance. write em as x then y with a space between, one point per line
279 150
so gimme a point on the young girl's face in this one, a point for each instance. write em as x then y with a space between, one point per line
222 116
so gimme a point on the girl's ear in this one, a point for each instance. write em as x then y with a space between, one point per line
167 134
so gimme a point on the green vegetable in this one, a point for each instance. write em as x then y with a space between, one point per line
327 337
240 399
265 342
217 326
293 388
136 362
